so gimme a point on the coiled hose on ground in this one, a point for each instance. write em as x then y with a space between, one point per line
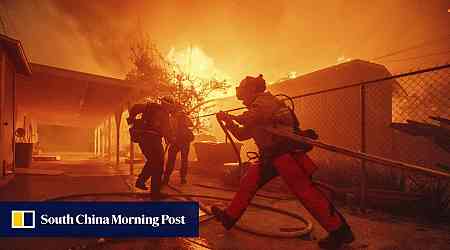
181 195
293 234
304 231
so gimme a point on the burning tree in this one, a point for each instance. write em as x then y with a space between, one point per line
149 66
193 92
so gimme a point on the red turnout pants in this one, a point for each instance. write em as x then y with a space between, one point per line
296 170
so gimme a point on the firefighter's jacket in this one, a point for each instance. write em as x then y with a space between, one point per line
267 111
154 120
182 126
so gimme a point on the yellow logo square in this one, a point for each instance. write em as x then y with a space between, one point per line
22 219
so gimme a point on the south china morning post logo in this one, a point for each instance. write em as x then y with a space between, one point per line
99 219
23 219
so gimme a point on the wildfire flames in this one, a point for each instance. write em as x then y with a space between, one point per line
197 64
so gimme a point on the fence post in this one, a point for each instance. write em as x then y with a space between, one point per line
363 191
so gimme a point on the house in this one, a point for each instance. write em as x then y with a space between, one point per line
13 62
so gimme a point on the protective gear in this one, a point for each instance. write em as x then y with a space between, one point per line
337 238
169 104
167 100
151 147
154 120
141 184
249 87
265 111
310 133
221 216
296 170
280 156
182 125
222 116
148 132
172 155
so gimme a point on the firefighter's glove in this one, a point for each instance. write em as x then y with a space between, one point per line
226 118
310 133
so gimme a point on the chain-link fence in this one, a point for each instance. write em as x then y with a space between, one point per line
361 117
421 96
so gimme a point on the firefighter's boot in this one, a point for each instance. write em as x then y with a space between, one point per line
336 239
140 183
223 217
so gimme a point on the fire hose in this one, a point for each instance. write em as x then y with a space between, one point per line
289 134
292 234
298 232
356 154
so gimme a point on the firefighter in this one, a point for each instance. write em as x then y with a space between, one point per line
278 156
148 132
182 125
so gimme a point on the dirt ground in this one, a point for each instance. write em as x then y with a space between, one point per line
44 180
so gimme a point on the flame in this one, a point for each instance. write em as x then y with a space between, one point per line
292 74
343 59
194 61
197 64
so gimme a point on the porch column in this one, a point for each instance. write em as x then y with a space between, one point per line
108 138
95 141
118 120
102 139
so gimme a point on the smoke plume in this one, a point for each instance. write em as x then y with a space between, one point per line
243 37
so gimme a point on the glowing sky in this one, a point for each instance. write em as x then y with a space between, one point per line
236 37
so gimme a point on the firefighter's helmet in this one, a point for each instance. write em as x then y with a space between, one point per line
169 103
250 86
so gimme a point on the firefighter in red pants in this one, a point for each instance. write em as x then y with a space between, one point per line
279 156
